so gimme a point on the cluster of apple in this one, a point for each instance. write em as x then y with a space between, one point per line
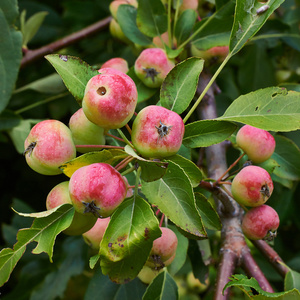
253 185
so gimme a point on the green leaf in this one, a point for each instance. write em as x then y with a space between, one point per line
144 92
56 282
175 198
247 22
163 286
32 25
214 30
287 155
191 170
126 16
10 50
152 19
292 280
205 133
210 217
272 109
179 87
51 84
43 231
74 72
110 156
245 284
9 119
152 171
128 239
184 25
94 260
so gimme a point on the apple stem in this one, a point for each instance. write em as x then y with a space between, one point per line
128 128
114 137
127 172
230 167
161 220
100 146
121 165
137 182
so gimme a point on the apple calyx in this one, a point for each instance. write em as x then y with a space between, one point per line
91 207
163 129
29 149
151 72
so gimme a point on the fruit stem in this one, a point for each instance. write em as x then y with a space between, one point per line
114 137
207 88
125 138
100 146
127 172
230 167
161 220
121 165
128 128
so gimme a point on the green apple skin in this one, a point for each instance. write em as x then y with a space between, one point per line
60 195
84 132
48 146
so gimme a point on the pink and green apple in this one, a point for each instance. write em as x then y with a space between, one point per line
117 63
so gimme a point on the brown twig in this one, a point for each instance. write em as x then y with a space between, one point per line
33 55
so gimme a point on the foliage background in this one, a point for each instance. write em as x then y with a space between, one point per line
254 67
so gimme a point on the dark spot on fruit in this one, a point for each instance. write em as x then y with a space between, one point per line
151 72
158 263
29 149
101 91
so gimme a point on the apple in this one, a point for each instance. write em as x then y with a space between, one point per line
195 285
117 32
48 146
97 189
260 223
258 144
110 99
94 236
157 132
114 5
60 195
147 274
152 66
84 132
163 250
252 186
117 63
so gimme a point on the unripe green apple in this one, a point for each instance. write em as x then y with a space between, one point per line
260 223
60 195
252 186
258 144
152 66
163 250
97 189
117 32
84 132
110 99
147 274
48 146
157 132
94 236
117 63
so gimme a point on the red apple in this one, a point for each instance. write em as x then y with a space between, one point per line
157 132
97 189
117 63
48 146
252 186
60 195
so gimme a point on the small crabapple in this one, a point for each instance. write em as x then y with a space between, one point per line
163 250
214 54
195 285
257 143
94 236
117 63
157 132
114 5
60 195
147 274
260 223
49 145
159 41
84 132
188 4
117 32
152 66
97 189
252 186
110 99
